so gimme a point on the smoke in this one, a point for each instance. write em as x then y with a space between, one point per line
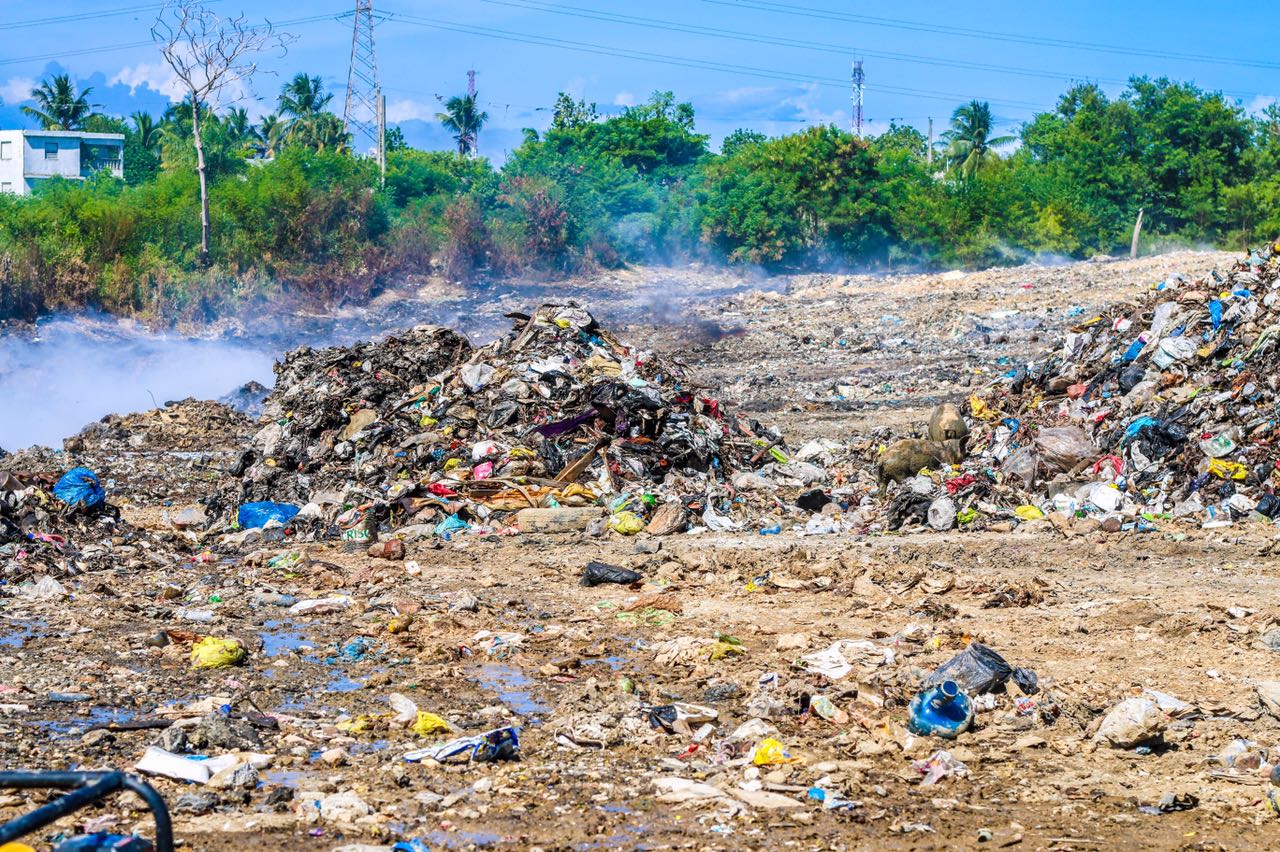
75 369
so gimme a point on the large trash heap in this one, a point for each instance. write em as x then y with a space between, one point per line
1162 408
425 435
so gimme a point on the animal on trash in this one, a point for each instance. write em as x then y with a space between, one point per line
904 459
946 423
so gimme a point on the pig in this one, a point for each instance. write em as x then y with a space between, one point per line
946 423
904 459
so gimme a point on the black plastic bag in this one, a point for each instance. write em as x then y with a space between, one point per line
813 500
977 669
600 572
1026 680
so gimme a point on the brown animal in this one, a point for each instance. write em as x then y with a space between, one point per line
904 459
946 423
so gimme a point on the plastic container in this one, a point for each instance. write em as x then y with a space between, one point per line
943 711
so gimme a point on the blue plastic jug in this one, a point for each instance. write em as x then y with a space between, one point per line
943 711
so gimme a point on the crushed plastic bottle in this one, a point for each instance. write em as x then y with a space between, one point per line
943 711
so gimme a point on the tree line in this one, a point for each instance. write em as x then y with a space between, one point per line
293 213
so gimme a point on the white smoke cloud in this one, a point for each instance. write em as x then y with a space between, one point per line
81 368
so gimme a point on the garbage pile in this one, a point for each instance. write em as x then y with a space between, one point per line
53 526
189 425
556 425
1160 409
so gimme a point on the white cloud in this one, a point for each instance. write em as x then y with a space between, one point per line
16 89
403 109
152 75
1259 103
159 78
624 99
776 106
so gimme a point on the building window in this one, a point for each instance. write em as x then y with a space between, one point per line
6 150
51 150
6 186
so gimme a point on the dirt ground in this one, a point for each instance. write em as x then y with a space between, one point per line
1098 617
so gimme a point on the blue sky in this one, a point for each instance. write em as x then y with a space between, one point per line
771 65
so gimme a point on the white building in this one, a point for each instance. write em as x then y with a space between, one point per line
28 157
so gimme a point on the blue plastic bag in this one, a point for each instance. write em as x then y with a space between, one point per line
102 841
80 487
450 525
252 515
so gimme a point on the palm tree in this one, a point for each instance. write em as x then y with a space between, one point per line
58 105
321 132
146 129
269 131
303 96
303 101
464 117
969 142
238 126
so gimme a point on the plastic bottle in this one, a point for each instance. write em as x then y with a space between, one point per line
943 711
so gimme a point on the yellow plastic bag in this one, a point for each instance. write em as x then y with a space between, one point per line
1029 513
214 653
981 410
722 649
429 723
770 752
1227 469
358 725
627 523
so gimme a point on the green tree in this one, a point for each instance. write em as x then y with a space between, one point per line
59 106
969 141
740 138
657 137
809 195
463 117
395 140
1191 144
569 113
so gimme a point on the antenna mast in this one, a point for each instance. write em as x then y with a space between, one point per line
859 95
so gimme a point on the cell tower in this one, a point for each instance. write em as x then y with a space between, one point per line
859 95
471 84
365 113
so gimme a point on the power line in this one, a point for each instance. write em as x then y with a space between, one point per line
986 35
684 62
83 16
780 41
804 44
85 51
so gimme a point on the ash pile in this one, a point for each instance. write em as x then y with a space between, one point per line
1161 409
556 425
